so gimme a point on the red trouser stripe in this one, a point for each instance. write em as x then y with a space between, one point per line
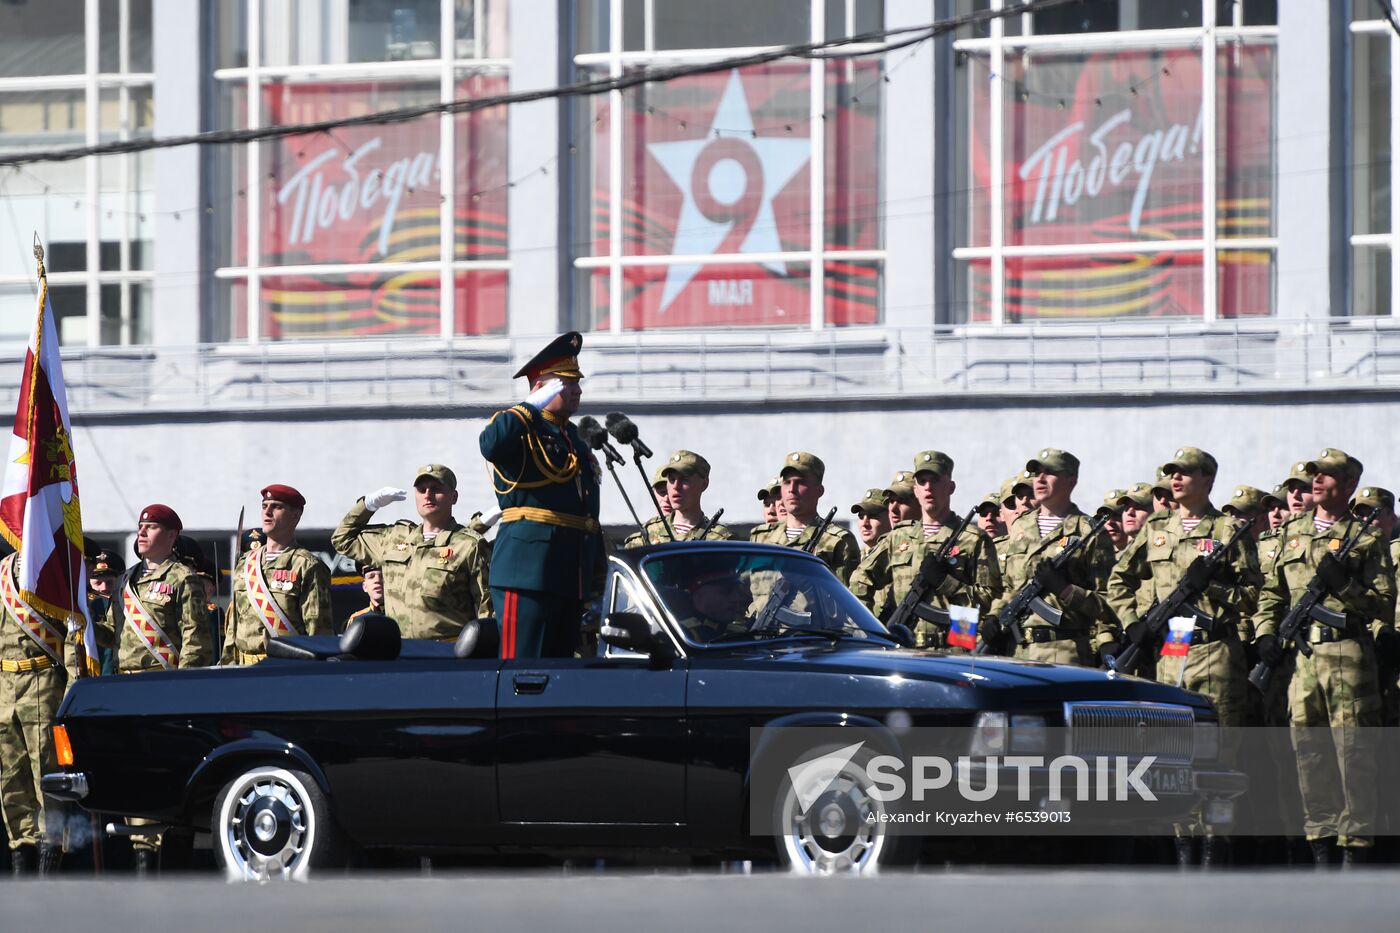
508 626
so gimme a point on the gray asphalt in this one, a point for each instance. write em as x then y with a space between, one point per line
1041 901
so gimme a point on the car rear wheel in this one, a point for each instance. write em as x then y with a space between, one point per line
841 832
272 824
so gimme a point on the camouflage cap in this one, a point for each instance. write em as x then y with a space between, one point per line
767 492
901 487
809 465
438 472
872 501
1008 488
1245 500
1281 491
658 476
933 461
1298 473
1140 495
1374 497
1054 461
1113 502
1334 462
992 498
687 463
1189 460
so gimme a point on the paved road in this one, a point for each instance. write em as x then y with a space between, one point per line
1043 902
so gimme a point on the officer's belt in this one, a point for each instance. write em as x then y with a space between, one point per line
26 666
525 513
250 657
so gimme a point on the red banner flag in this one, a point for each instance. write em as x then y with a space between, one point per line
39 514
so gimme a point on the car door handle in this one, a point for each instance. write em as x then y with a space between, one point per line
530 683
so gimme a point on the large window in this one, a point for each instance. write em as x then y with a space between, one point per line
74 73
1116 159
360 231
743 197
1373 136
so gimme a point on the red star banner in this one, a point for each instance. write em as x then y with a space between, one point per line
39 514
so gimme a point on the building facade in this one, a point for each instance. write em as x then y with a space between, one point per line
1115 227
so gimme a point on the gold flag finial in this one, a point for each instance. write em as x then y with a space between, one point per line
39 253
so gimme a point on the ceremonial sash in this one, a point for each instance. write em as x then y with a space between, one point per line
269 613
32 622
153 637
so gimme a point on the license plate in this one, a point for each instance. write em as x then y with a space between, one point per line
1171 780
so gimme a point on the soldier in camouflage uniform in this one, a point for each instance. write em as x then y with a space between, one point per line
435 571
1338 686
899 496
802 489
1112 507
279 589
1162 500
32 681
652 525
872 518
989 516
1297 489
159 613
887 572
1087 633
685 476
1276 505
1158 560
1248 504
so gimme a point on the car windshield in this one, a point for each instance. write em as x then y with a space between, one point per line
730 594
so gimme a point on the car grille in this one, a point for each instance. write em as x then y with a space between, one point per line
1131 729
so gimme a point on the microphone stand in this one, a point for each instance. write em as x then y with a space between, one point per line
611 457
637 459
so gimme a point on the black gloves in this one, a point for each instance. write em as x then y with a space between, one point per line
933 570
1137 632
1388 649
1270 651
1198 575
990 629
1332 574
1108 651
1051 578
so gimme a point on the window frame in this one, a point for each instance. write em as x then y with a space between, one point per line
1356 242
1209 245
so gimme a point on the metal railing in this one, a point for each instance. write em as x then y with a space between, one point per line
641 368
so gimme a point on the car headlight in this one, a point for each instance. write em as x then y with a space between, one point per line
989 734
1207 742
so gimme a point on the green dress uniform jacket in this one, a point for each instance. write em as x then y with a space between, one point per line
888 570
542 468
174 597
300 584
431 588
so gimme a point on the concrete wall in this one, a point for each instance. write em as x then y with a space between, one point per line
207 469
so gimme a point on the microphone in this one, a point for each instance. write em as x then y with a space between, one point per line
622 428
595 437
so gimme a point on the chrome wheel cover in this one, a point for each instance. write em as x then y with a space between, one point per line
835 836
266 828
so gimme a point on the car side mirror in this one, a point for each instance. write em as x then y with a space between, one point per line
628 631
901 634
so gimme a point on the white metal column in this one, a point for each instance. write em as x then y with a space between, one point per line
447 174
614 168
1394 44
997 166
124 164
816 196
252 194
91 170
1209 261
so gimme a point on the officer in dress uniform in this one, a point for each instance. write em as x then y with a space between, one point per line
434 570
802 489
279 589
163 624
549 558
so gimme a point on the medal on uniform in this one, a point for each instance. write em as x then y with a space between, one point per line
1159 540
1334 545
1293 544
903 546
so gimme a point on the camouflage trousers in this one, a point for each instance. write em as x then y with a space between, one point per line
28 702
1066 651
1333 703
1217 671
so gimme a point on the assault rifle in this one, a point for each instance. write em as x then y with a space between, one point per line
784 591
932 571
1179 601
1030 598
1309 609
710 525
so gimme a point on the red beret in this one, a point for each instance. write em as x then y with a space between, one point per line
285 495
162 515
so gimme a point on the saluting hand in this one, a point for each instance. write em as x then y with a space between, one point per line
545 393
383 496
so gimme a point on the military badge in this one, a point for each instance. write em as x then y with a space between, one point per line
1293 544
1269 555
1063 541
1334 545
903 546
1159 540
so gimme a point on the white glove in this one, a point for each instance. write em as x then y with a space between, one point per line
491 517
545 393
383 496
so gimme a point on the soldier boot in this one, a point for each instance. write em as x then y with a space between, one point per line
24 861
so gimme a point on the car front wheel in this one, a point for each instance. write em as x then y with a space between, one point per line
273 824
841 831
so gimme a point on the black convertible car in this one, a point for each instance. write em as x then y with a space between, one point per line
336 745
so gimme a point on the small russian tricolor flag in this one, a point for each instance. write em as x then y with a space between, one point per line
1178 641
962 632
